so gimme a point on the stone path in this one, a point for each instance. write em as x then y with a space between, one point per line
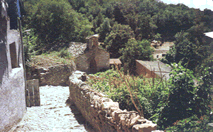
53 114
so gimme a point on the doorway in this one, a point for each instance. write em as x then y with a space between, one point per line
93 66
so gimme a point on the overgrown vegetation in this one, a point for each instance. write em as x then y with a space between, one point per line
127 27
149 94
163 102
52 58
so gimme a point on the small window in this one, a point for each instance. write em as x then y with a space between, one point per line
163 55
13 55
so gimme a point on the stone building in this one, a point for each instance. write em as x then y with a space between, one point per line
92 58
152 69
12 79
161 49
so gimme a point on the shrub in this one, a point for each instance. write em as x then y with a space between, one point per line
148 95
184 98
135 50
192 124
116 39
55 23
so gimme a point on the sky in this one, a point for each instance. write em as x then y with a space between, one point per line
201 4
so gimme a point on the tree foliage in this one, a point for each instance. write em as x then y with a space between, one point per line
135 50
55 22
185 98
119 35
190 48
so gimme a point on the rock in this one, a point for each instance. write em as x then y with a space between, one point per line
134 120
107 105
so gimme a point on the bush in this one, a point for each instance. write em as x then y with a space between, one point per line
56 23
192 124
149 95
116 39
135 50
184 98
52 20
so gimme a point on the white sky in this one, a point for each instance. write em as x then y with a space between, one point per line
201 4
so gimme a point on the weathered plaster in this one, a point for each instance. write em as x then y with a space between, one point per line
12 83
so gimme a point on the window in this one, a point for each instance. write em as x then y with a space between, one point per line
13 55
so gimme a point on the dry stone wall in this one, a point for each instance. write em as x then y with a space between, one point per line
53 75
101 112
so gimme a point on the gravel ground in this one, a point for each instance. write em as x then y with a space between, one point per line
53 114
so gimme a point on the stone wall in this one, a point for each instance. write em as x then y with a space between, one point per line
54 75
12 81
101 58
101 112
141 70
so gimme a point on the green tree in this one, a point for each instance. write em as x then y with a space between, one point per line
77 4
119 35
104 29
145 28
190 49
118 14
98 21
185 98
55 23
52 20
135 50
83 27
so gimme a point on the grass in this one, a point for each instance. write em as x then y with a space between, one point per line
52 58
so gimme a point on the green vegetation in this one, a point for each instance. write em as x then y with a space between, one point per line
149 95
178 102
119 35
127 27
192 124
185 97
52 58
57 22
135 50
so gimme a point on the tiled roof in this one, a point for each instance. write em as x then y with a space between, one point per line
157 66
114 61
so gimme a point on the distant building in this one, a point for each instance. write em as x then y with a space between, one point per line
92 58
209 39
209 36
12 79
160 50
152 69
115 62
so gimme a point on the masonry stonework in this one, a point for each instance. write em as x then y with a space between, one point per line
101 112
93 59
53 75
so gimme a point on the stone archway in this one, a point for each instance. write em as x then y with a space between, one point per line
93 66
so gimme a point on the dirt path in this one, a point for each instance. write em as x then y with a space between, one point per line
53 114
